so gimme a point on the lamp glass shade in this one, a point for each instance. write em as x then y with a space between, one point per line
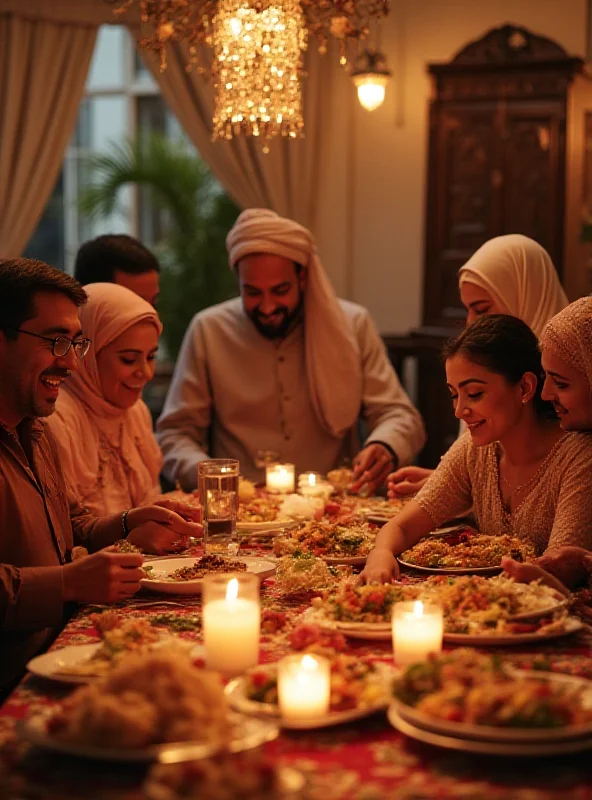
371 89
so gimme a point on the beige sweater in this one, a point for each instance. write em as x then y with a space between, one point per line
557 511
234 392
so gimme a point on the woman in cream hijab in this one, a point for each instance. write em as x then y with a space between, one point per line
103 428
509 274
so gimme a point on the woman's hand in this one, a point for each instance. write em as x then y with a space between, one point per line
528 572
571 565
407 481
381 567
158 530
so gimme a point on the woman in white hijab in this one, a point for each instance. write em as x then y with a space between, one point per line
509 274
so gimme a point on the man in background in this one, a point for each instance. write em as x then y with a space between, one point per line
118 258
287 367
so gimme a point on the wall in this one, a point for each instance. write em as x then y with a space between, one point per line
371 227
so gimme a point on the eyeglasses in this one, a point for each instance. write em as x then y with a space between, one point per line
60 345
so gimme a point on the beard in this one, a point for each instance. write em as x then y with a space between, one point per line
285 320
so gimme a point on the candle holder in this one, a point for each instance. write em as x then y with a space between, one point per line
279 478
217 481
304 686
312 484
231 622
418 630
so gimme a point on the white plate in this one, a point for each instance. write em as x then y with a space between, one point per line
518 749
285 524
290 783
47 665
371 631
259 566
571 625
490 733
354 561
452 570
238 700
249 732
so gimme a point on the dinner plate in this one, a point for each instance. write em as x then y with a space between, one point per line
268 527
490 733
46 666
258 566
452 570
482 747
571 625
290 783
354 561
248 732
371 631
236 694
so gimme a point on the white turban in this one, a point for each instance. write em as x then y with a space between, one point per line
520 276
332 354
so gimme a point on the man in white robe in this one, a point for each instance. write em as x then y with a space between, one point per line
288 368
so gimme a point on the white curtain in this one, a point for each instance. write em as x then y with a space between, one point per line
43 68
287 178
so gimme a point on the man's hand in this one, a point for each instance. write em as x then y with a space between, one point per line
571 565
104 577
407 481
158 530
381 567
371 466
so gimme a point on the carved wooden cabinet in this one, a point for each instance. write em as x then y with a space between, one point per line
505 140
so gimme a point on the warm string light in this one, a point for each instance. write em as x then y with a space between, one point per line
256 68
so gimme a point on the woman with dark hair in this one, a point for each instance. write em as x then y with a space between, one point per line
521 474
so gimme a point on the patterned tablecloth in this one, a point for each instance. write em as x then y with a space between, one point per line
366 760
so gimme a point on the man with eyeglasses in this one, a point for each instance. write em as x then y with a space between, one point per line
41 343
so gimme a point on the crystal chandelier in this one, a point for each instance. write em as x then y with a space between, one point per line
257 48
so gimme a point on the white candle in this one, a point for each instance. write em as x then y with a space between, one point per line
231 623
304 686
280 478
418 629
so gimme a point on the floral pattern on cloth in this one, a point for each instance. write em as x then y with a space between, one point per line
364 760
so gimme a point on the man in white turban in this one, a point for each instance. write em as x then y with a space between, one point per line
287 368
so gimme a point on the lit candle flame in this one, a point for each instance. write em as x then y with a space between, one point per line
232 590
312 479
418 609
308 662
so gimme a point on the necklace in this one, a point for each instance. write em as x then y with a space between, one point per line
518 488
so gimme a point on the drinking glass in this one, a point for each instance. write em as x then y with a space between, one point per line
218 490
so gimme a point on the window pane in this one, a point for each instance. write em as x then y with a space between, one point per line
47 242
107 69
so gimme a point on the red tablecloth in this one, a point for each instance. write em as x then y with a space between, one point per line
366 759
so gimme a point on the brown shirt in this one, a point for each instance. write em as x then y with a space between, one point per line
556 511
37 531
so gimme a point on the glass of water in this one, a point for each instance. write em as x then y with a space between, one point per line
218 490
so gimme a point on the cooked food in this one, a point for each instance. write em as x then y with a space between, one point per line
246 490
120 636
79 552
477 605
123 546
350 538
355 683
203 566
341 478
466 686
264 508
370 603
224 777
185 504
466 550
148 699
303 572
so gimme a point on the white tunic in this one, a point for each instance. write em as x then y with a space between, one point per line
234 392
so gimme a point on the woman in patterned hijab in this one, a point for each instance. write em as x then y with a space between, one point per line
566 346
